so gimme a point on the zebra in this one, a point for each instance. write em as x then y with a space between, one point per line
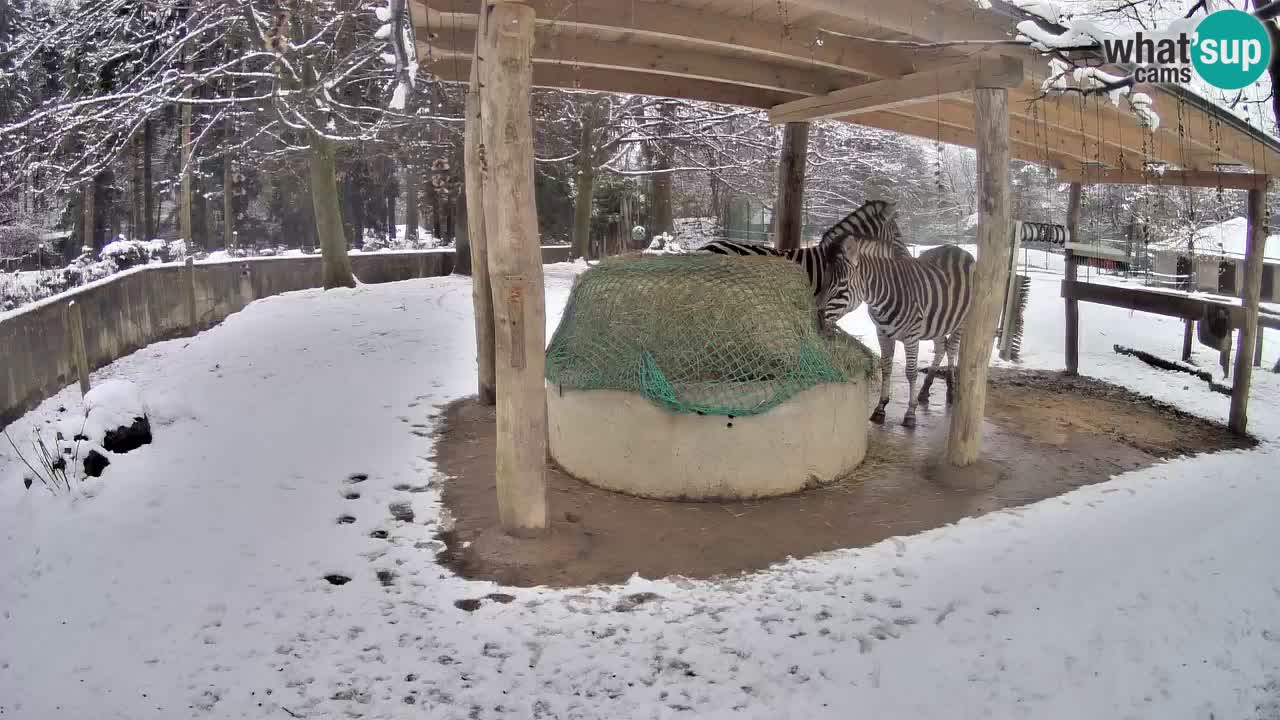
826 264
908 298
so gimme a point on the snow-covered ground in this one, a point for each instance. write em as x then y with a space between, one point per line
190 583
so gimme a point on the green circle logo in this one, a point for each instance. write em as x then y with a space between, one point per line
1232 49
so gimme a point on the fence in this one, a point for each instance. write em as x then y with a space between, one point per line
133 309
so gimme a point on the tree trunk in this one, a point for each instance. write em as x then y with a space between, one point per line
393 190
228 204
228 177
437 223
515 266
789 218
461 241
474 164
660 213
149 220
410 176
207 228
88 210
137 206
586 180
185 221
324 201
964 437
450 219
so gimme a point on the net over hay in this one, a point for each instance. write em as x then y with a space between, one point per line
705 334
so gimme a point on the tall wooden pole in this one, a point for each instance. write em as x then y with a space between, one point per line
481 292
964 436
515 266
789 216
1249 296
1073 307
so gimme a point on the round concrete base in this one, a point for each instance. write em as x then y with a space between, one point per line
621 441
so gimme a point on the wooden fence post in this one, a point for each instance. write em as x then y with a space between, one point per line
515 266
75 321
1249 295
1257 348
789 218
474 168
964 435
1073 307
189 273
1188 336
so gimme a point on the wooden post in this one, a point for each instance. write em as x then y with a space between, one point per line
1073 307
789 218
1188 335
190 274
481 291
75 321
1257 348
515 266
1249 295
964 436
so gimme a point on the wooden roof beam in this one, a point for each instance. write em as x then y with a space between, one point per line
761 36
1178 178
987 72
458 69
563 46
924 19
926 129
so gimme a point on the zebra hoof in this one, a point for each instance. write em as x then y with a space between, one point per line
909 421
877 417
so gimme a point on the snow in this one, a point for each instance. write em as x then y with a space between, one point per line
1230 237
190 585
110 405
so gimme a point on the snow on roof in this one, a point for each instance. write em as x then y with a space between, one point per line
1229 238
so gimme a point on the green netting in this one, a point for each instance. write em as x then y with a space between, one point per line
699 333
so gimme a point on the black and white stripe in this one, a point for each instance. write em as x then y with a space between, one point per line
873 220
911 299
826 264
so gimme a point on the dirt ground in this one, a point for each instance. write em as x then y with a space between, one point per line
1045 434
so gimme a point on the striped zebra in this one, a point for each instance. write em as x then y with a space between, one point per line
826 264
909 299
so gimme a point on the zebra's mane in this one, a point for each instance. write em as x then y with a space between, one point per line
873 222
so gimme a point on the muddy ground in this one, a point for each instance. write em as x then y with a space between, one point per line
1045 433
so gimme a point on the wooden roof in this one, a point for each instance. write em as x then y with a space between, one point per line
763 53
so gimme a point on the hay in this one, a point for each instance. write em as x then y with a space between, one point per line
699 333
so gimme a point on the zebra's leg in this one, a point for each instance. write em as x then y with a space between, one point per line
912 348
953 352
886 372
939 349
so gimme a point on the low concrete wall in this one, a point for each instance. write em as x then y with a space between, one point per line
130 310
623 442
